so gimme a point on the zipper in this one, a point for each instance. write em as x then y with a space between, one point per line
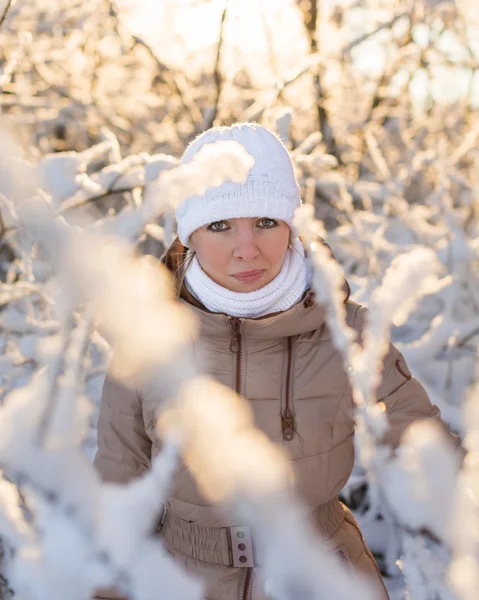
235 348
287 415
246 593
236 343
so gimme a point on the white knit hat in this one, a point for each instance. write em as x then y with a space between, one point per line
271 189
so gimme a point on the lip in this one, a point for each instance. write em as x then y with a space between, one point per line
248 276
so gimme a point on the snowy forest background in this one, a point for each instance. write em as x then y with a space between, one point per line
378 101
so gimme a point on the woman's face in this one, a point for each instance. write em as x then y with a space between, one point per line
243 254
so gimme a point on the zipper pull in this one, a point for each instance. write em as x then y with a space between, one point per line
287 423
235 335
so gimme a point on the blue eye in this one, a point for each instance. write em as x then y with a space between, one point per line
218 226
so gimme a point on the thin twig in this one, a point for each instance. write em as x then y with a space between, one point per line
51 392
209 121
5 11
468 337
176 80
110 191
467 145
325 126
367 36
104 194
138 41
377 156
255 111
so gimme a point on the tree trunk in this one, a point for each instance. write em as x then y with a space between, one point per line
310 9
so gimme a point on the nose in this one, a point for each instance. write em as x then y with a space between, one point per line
246 247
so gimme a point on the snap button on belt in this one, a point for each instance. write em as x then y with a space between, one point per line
233 546
227 546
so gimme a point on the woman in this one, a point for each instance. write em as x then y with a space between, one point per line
242 269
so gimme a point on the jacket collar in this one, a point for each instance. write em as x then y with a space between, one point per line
303 317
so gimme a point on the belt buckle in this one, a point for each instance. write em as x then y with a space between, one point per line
241 546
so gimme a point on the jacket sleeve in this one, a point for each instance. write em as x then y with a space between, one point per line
124 448
404 397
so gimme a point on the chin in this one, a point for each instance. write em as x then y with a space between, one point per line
250 287
257 286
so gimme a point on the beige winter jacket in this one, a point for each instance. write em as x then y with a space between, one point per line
288 368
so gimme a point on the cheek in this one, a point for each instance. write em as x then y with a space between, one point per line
276 247
213 253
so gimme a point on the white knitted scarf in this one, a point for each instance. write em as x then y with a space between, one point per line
282 293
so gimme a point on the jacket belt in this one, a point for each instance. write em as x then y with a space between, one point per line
213 544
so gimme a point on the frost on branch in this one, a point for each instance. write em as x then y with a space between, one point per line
419 483
403 177
96 286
